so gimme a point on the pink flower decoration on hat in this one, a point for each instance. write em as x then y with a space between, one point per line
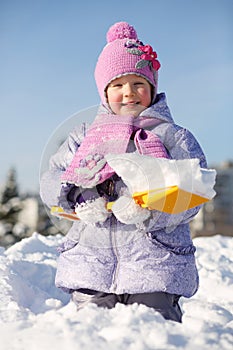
150 55
146 53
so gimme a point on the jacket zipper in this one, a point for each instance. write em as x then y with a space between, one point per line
113 223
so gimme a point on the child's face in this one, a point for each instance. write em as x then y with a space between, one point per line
129 95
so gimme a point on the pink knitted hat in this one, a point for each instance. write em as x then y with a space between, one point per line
125 54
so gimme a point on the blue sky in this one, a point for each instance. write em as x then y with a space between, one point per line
48 55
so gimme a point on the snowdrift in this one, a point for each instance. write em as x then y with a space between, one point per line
34 314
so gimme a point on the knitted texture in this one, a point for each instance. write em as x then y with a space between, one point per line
125 54
121 30
109 135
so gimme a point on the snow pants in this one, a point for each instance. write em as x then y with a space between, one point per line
166 304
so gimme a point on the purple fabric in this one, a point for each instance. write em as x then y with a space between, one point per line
117 258
110 134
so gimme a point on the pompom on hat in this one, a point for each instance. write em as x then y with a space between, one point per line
125 54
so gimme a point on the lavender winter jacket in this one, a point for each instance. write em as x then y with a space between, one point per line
117 258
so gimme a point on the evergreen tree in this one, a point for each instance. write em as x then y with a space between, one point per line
21 215
11 189
10 207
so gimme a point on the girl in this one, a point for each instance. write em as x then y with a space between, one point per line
129 254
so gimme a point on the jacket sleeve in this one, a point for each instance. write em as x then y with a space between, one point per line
50 182
181 144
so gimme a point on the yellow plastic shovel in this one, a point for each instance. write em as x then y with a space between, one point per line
172 200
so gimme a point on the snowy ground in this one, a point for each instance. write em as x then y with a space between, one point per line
34 315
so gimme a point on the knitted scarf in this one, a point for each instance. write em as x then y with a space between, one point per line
111 134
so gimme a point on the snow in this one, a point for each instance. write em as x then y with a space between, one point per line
34 314
135 170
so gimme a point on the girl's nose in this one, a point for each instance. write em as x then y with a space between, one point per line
128 90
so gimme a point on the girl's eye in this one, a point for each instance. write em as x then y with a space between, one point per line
138 83
117 85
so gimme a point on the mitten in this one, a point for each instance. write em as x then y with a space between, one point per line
92 211
89 167
87 174
71 195
68 197
128 212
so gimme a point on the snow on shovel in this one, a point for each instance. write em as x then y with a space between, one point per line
171 186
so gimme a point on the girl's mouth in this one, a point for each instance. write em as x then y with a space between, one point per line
130 104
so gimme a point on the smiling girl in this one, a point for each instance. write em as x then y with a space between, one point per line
129 95
129 254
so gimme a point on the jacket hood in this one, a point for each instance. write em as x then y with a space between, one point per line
159 109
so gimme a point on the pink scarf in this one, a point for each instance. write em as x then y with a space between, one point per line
111 134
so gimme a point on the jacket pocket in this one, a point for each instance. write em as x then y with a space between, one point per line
178 250
67 245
